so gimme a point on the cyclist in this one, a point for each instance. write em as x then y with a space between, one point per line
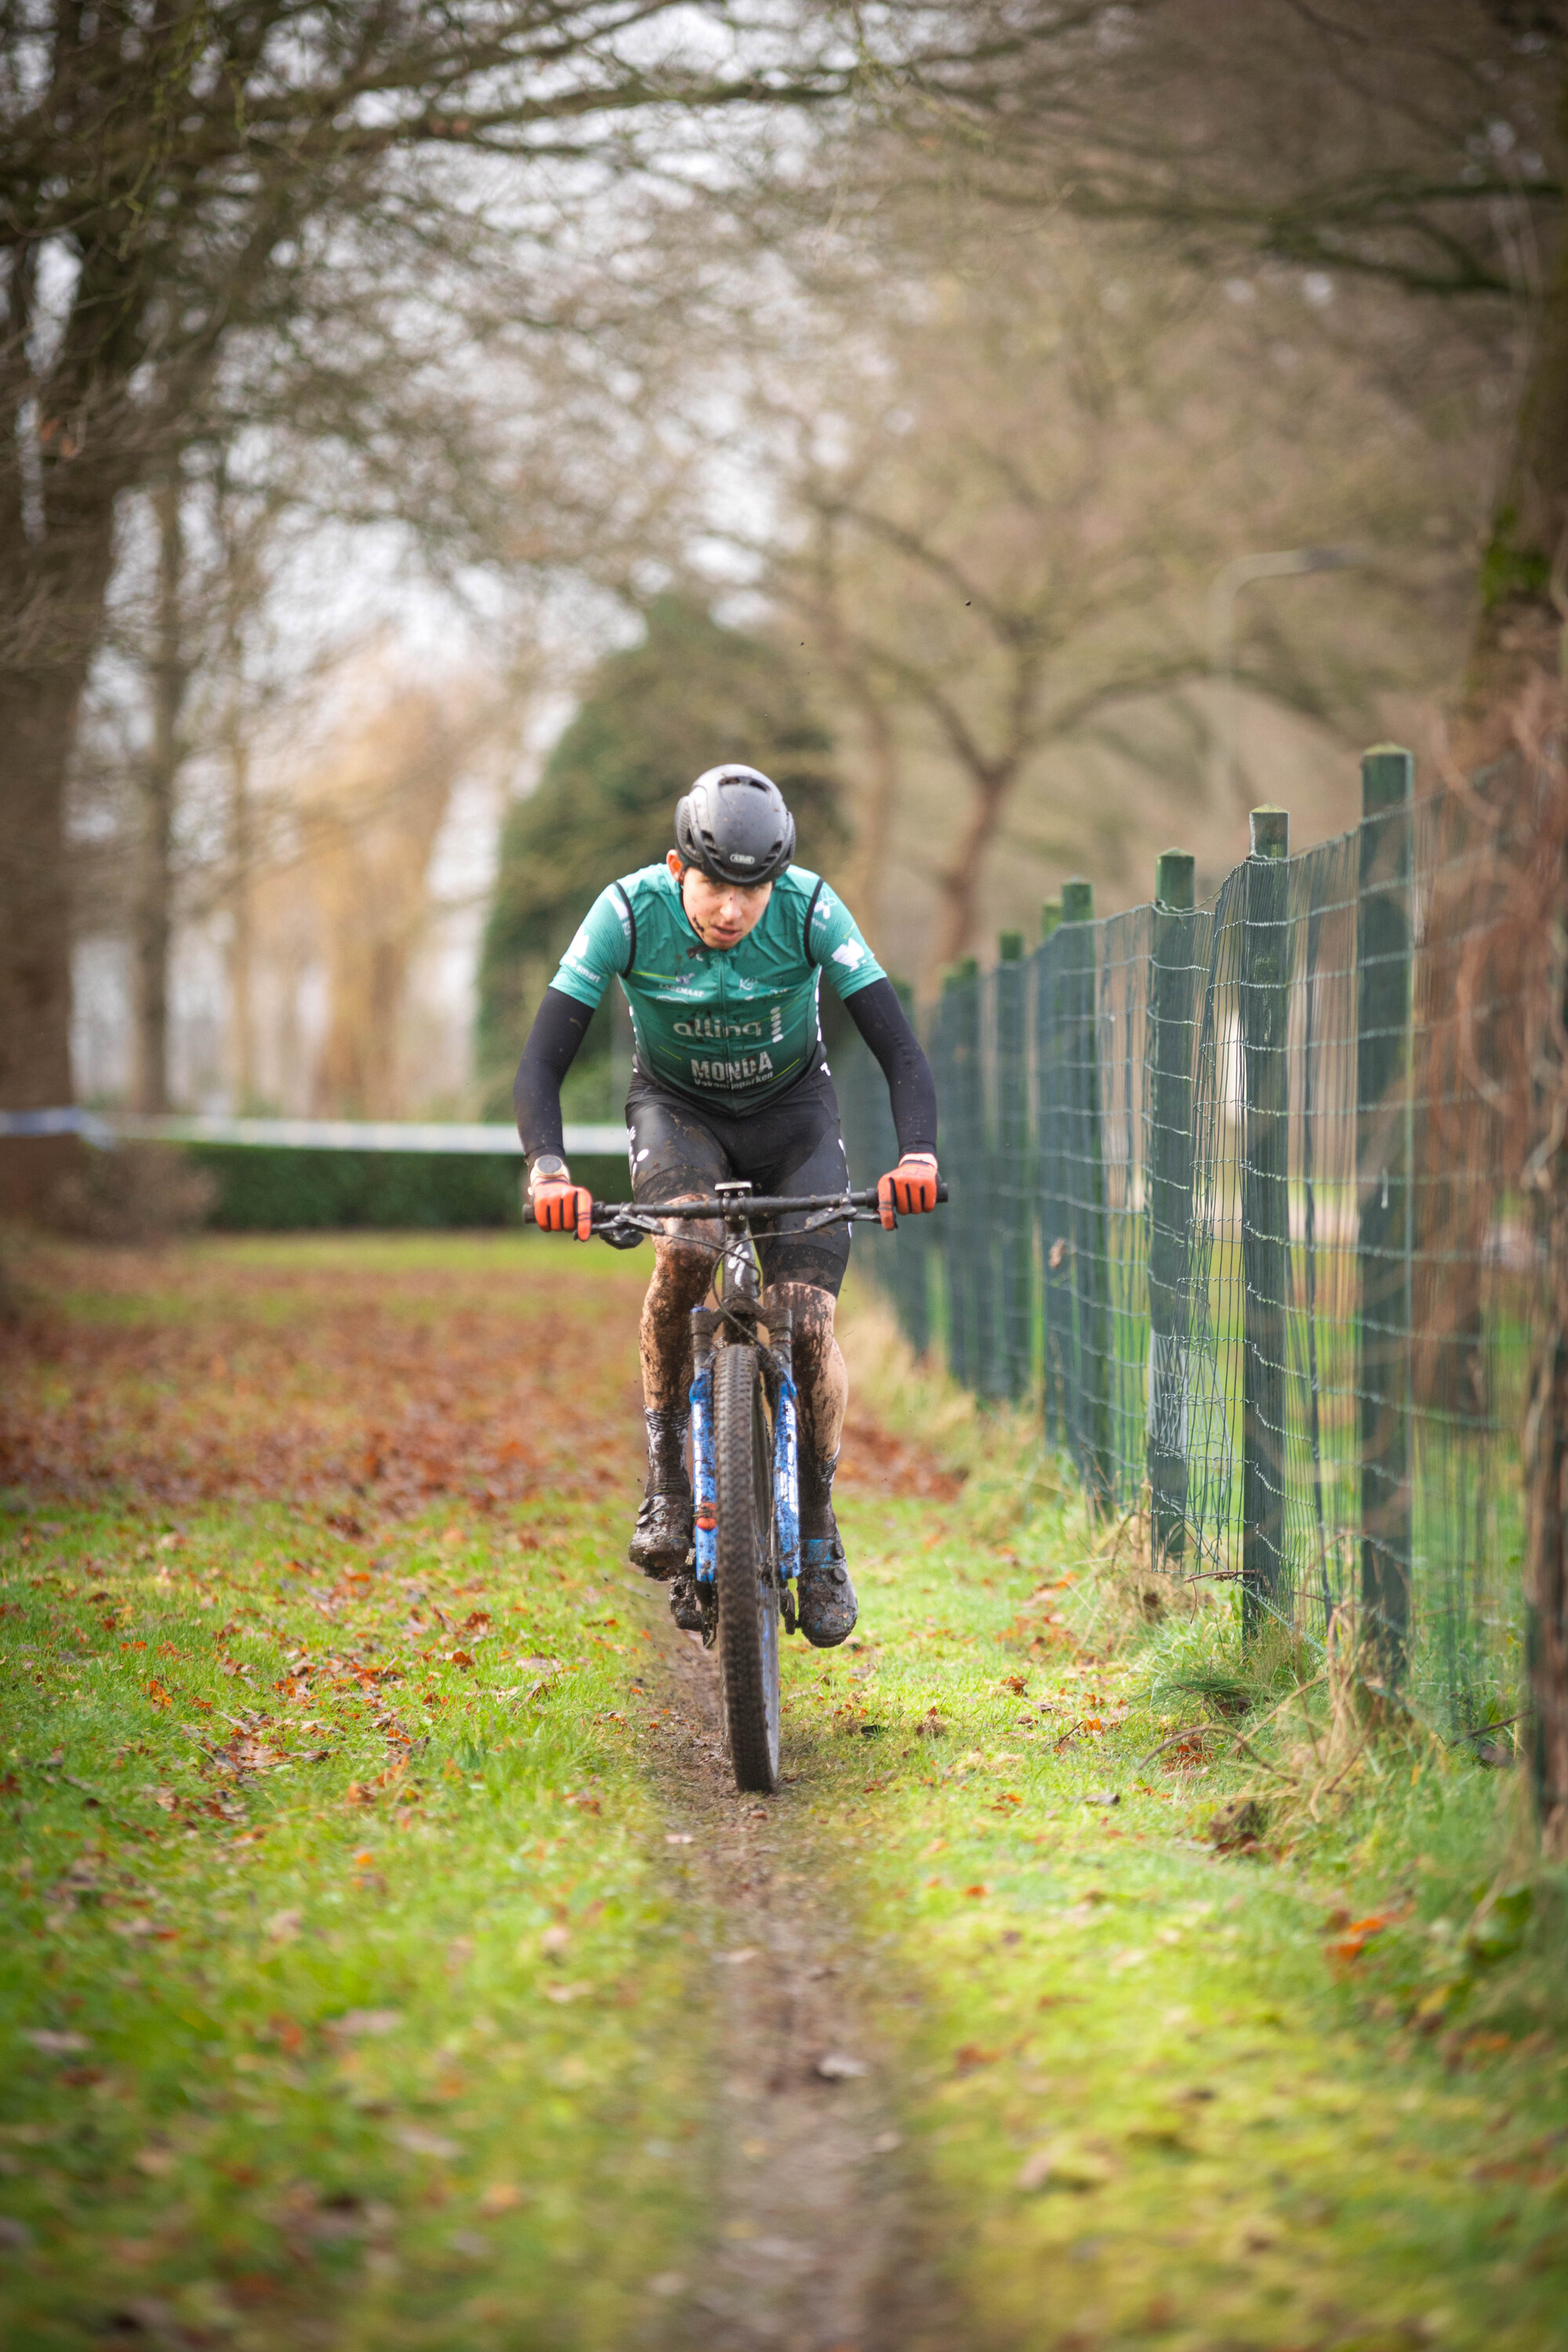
720 952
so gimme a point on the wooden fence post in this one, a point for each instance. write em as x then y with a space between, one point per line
1264 1211
1086 1190
1169 1160
1384 1190
1016 1202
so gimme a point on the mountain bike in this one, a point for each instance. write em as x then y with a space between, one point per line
745 1472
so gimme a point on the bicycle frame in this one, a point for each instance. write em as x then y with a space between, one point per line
738 1282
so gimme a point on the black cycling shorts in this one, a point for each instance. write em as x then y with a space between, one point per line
792 1145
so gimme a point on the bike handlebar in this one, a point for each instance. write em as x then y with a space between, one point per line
623 1223
747 1204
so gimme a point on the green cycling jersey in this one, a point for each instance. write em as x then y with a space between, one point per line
736 1025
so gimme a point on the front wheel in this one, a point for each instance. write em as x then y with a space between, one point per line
744 1570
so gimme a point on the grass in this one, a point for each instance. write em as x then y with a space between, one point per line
346 1998
1162 2096
343 1999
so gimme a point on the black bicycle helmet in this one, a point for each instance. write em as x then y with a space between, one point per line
733 825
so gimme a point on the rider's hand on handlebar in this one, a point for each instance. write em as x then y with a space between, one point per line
908 1189
559 1206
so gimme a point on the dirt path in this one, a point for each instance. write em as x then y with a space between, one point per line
815 2240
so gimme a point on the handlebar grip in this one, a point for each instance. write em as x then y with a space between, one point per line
941 1188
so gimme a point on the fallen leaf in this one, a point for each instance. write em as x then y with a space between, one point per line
500 2197
53 2044
555 1939
1060 2164
420 2142
971 2055
1358 1936
737 1960
837 2066
356 2023
284 1926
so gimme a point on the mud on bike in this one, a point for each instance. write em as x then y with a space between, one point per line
745 1473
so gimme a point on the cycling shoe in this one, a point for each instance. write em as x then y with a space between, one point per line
661 1541
827 1605
685 1603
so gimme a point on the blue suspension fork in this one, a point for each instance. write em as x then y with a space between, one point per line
786 1449
786 1453
704 1472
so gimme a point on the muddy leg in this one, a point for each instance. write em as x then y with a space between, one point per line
682 1274
824 1386
662 1538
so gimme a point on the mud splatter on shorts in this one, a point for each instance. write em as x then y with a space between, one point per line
792 1145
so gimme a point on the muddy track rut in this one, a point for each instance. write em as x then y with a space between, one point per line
817 2242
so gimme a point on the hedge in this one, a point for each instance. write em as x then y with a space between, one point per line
267 1188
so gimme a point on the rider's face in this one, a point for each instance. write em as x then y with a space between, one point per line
721 913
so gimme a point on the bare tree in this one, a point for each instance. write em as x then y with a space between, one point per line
191 190
1419 150
1014 467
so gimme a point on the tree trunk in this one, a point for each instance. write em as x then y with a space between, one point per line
1546 1422
241 945
50 618
959 880
1523 611
154 914
1546 1574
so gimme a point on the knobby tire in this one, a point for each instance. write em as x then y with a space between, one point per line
745 1568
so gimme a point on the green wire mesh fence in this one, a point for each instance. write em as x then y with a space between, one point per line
1227 1203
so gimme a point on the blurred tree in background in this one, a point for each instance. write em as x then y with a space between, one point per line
652 717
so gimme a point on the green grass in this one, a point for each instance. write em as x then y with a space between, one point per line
343 1997
356 2010
1162 2096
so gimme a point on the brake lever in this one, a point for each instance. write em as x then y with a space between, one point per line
623 1233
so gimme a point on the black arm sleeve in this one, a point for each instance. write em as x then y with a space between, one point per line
558 1030
884 1025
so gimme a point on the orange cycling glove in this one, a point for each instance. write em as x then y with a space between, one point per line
908 1188
558 1205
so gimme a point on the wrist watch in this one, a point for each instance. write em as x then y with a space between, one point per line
549 1167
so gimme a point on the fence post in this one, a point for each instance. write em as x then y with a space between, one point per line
1058 1400
1169 1159
1264 1210
1011 1153
1086 1190
1383 1198
911 1259
950 1083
